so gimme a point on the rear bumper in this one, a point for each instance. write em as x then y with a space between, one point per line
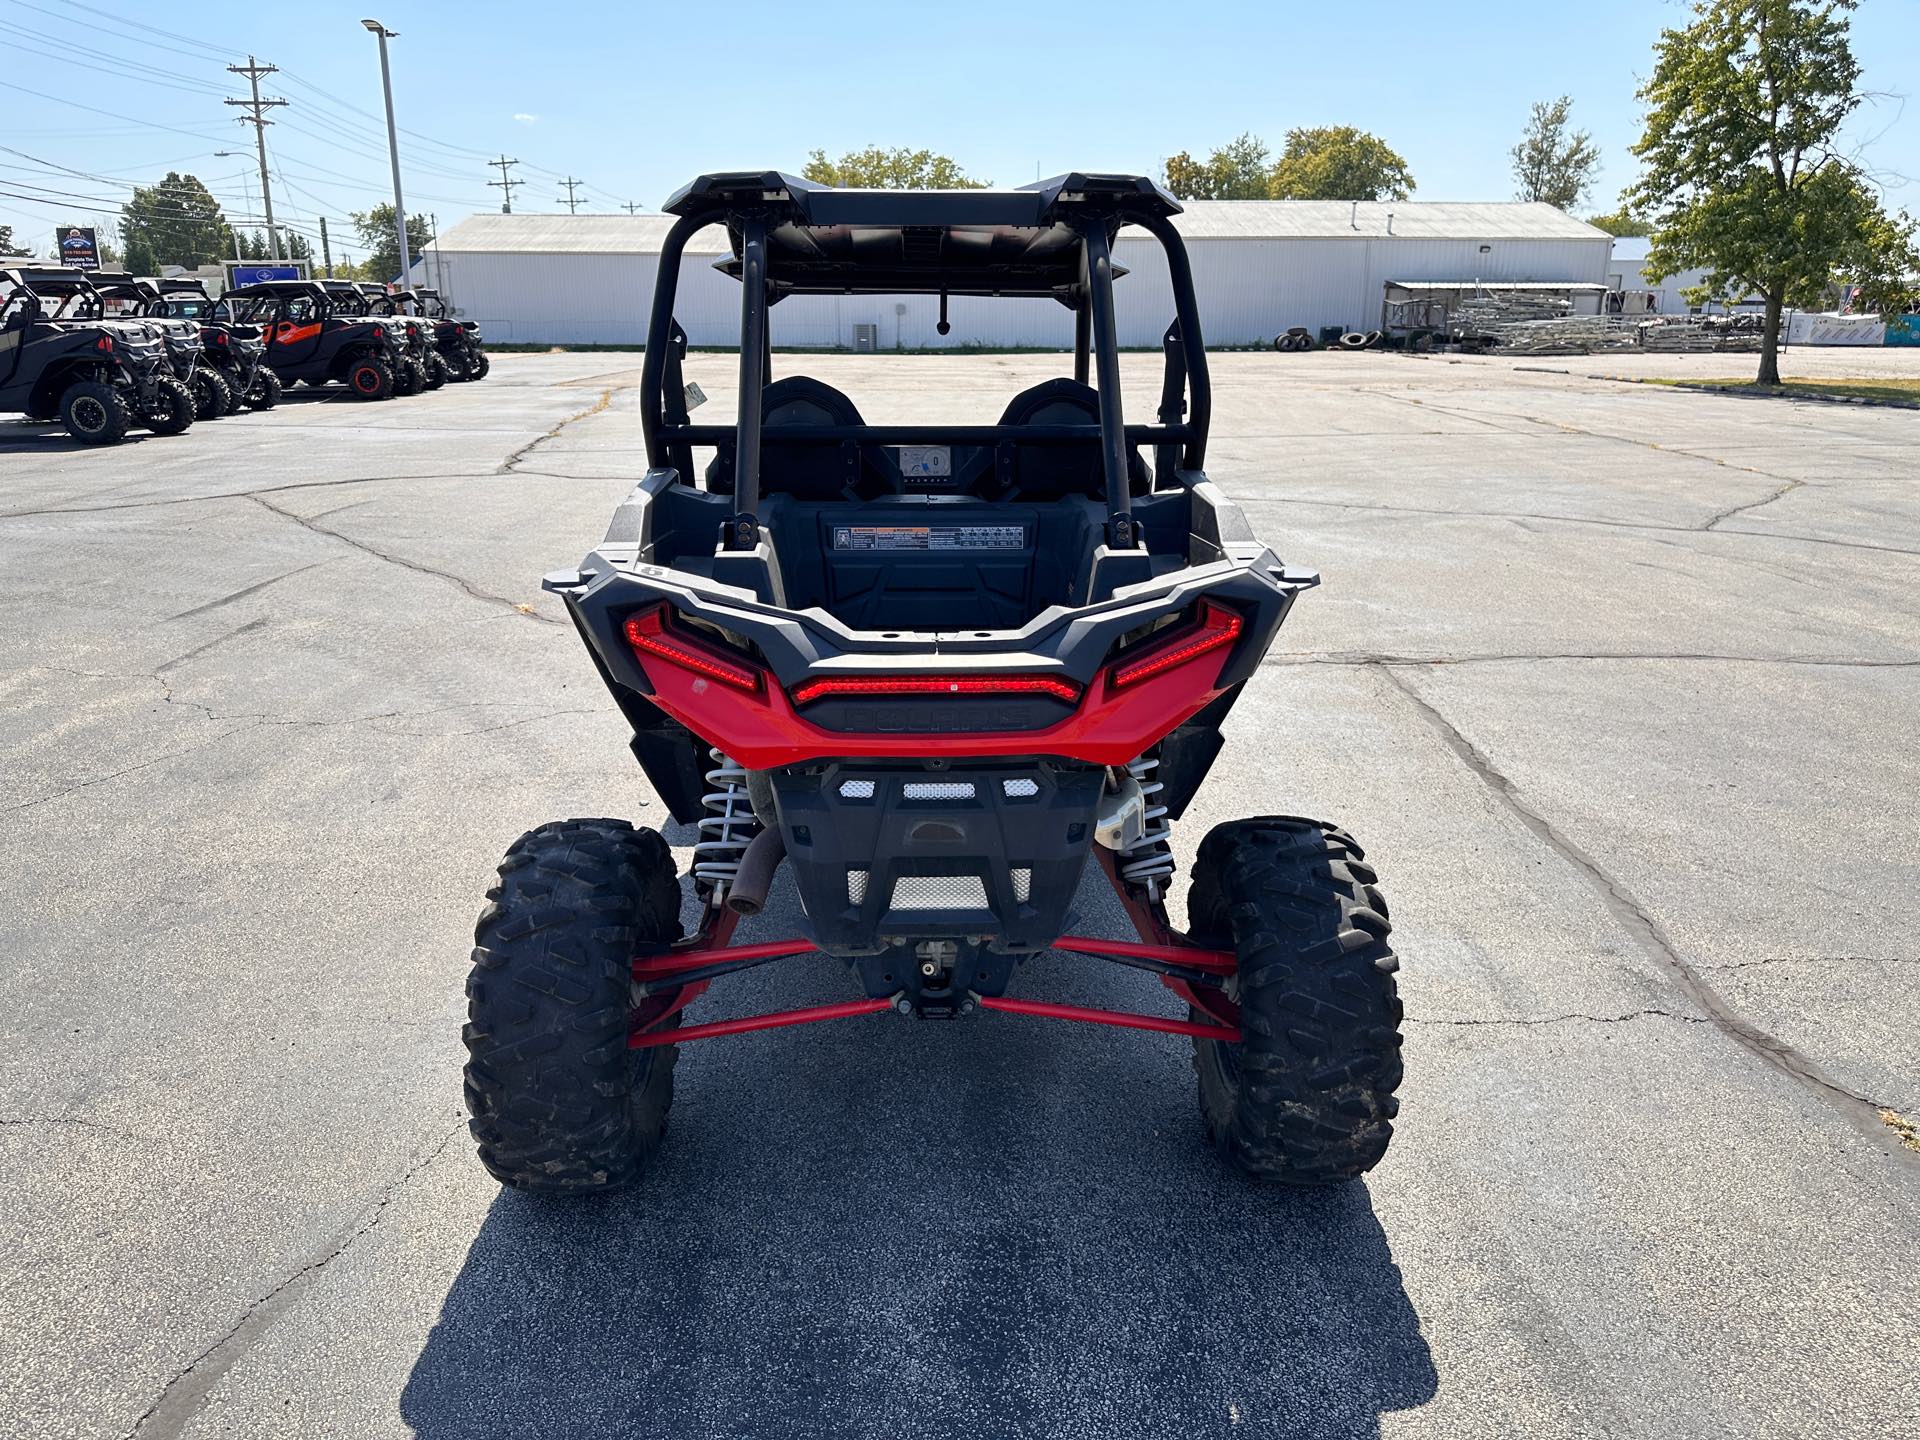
891 853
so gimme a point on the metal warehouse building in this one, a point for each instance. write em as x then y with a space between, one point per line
1259 266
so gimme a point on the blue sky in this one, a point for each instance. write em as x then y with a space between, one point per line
634 99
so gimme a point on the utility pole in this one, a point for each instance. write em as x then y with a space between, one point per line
573 205
256 116
504 184
326 250
393 150
629 207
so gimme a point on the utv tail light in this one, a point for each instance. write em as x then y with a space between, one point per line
379 332
808 690
1217 626
105 342
648 634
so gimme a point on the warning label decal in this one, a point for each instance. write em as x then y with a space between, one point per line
929 537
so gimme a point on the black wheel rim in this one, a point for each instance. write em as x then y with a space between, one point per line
89 415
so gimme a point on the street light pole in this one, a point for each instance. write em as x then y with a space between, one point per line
393 149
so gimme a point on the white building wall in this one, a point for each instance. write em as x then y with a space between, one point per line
1249 291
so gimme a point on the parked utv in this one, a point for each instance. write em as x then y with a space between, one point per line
932 669
236 351
458 341
97 376
416 374
129 297
309 338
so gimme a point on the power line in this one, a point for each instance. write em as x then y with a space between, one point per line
505 183
256 109
573 205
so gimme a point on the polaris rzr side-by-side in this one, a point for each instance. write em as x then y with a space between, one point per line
236 351
932 669
62 358
309 338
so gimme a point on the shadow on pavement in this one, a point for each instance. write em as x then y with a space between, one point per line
985 1227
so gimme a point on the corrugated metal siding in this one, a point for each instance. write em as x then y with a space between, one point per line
1249 289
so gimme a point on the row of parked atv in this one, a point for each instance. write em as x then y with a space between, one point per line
103 352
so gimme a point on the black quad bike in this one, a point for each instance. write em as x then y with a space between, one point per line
308 337
420 368
236 351
97 376
933 669
458 341
129 298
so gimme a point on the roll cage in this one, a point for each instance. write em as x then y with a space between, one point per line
1053 239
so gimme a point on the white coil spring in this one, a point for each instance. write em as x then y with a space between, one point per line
725 833
1150 862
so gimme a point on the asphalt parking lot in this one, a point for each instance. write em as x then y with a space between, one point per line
1618 685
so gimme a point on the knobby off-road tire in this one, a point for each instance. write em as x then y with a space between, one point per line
560 1104
264 392
459 367
369 378
409 378
1307 1096
481 365
172 410
435 369
95 413
212 396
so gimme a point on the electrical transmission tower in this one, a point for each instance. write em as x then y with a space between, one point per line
505 183
256 116
573 205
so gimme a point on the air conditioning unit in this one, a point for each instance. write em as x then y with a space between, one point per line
866 339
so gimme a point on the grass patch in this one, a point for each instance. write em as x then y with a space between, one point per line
1892 388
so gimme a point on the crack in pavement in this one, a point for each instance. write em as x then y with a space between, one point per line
65 1120
1517 515
1370 657
1816 960
1523 1021
240 494
509 465
460 583
1861 1111
186 1394
1780 494
247 590
115 775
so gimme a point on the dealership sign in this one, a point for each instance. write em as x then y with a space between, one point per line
79 246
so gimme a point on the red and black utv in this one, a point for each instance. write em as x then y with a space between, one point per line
309 338
934 670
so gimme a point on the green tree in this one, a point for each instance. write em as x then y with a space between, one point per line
383 249
1621 222
175 222
1740 167
7 244
1238 170
1338 162
898 169
1553 162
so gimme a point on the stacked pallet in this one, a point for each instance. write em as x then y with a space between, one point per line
1486 314
1569 335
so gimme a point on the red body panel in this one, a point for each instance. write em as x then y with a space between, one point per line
762 730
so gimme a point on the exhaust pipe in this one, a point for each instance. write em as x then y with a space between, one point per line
747 895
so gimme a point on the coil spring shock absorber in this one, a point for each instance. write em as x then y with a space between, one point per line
1150 862
726 830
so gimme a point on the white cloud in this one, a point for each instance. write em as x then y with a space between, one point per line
526 119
